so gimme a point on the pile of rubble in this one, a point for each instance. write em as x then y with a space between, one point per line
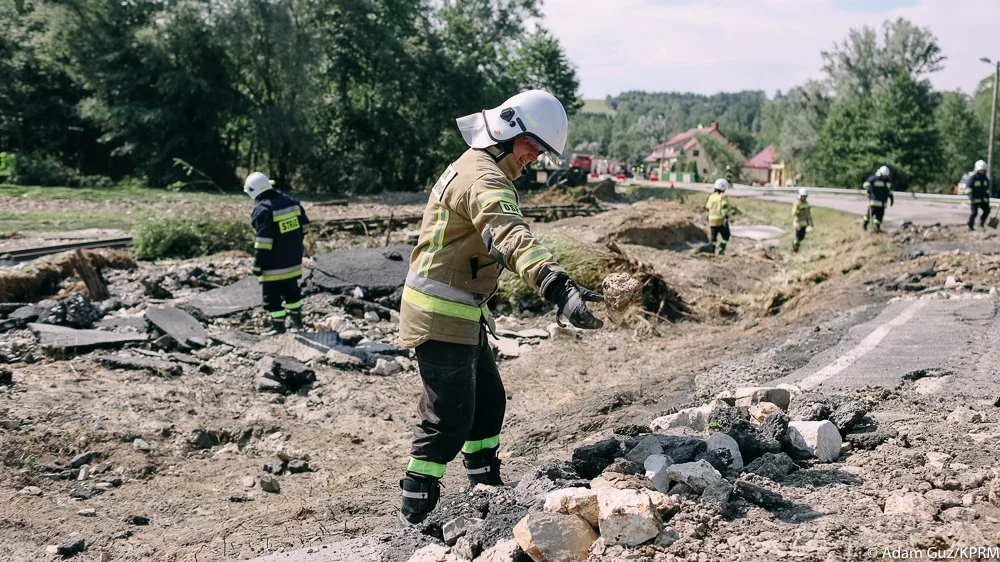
671 490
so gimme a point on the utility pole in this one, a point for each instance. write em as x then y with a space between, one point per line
993 122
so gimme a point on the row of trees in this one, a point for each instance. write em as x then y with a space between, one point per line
330 95
638 120
875 106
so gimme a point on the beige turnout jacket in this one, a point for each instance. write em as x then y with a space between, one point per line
472 229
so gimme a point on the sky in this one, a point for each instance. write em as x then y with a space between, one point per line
709 46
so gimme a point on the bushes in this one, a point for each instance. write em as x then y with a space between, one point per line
34 169
184 237
38 168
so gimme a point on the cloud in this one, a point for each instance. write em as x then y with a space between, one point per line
728 45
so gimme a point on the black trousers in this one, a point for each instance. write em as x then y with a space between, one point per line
722 230
877 213
462 405
974 210
279 295
800 233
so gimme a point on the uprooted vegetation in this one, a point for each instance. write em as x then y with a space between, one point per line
44 277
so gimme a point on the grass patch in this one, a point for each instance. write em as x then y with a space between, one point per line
186 236
120 193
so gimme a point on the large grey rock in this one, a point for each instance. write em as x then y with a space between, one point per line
377 271
773 466
753 440
245 294
179 325
554 537
695 419
60 338
697 475
574 501
627 517
717 494
723 441
656 467
678 448
590 460
757 495
818 439
648 445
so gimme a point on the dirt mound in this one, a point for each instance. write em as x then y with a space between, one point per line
664 225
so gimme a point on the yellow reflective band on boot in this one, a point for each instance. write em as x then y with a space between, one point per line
293 305
877 204
534 255
278 314
442 306
476 446
427 468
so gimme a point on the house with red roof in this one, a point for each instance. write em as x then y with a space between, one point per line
767 168
685 147
757 170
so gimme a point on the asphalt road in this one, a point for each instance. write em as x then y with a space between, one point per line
909 338
906 208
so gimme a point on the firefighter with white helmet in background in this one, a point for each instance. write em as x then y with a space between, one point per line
472 230
978 188
801 218
879 190
718 215
278 220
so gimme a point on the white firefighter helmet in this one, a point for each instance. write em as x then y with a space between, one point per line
256 184
536 114
803 192
980 165
883 172
721 184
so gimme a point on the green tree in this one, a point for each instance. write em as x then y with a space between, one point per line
154 80
540 63
861 63
961 136
906 134
846 149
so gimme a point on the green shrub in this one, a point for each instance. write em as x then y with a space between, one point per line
184 237
35 168
133 182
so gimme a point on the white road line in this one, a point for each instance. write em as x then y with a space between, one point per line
869 343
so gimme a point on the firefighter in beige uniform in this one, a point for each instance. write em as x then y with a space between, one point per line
472 230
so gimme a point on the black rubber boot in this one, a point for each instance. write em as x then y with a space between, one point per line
277 327
795 247
295 319
420 497
483 468
864 225
878 227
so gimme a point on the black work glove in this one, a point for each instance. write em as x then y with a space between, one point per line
572 300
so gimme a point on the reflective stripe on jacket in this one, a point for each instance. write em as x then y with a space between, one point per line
801 214
718 209
979 188
472 230
879 191
278 220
